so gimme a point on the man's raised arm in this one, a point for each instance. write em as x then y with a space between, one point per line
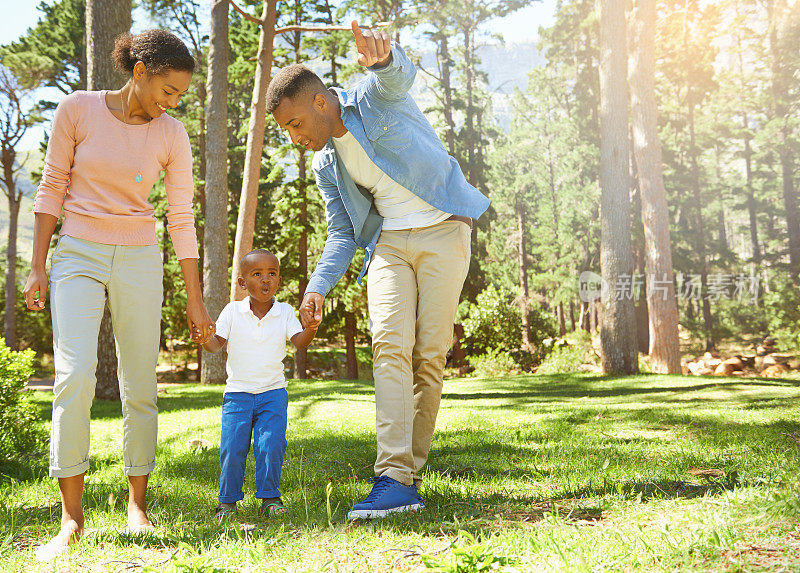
393 73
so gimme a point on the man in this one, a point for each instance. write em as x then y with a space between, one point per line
391 188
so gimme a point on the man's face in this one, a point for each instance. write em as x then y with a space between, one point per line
306 119
261 275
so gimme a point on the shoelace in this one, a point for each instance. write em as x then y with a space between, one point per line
382 483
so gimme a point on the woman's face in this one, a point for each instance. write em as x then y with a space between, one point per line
159 92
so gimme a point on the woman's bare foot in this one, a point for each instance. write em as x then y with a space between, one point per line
138 520
70 532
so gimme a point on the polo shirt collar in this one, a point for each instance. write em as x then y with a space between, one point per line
243 306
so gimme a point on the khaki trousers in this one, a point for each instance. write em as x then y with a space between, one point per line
83 272
414 283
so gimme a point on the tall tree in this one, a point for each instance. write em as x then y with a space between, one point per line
57 43
782 73
661 302
105 20
617 322
255 143
15 120
215 229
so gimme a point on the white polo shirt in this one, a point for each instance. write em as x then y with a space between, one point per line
256 347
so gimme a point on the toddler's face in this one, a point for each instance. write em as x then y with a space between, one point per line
262 276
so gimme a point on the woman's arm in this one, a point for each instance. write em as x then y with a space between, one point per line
35 290
201 327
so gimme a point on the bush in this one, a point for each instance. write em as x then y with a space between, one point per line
19 433
568 354
782 306
494 363
493 327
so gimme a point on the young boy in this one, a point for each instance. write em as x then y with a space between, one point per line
255 330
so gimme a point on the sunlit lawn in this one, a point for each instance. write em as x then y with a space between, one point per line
563 473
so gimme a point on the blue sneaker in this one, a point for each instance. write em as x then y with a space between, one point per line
387 496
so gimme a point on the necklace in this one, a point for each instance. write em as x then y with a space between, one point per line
138 177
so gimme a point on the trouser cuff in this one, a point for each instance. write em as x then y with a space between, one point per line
71 471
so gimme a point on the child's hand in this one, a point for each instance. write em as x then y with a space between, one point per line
311 310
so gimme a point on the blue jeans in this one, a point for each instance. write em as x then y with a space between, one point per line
264 417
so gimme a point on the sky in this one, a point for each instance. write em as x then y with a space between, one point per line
19 15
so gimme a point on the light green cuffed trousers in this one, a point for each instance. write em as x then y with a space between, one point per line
414 283
83 274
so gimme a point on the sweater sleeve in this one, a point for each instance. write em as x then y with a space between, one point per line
179 186
58 159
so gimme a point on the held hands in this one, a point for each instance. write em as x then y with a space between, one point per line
311 310
374 46
35 290
201 327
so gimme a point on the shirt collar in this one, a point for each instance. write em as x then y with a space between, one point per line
243 306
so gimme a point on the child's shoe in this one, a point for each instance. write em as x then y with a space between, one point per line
225 510
273 506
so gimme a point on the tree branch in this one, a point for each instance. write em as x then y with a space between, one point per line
285 29
246 16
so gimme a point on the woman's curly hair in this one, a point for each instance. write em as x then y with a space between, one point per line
159 50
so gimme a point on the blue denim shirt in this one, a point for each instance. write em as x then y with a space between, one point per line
399 139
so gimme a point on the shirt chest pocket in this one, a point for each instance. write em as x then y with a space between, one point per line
391 132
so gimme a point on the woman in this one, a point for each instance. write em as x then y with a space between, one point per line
106 151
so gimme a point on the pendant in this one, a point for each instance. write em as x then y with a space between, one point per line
138 177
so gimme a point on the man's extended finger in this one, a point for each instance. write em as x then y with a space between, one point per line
357 34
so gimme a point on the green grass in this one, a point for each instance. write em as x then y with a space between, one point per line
527 473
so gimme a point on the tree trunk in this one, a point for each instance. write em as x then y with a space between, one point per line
245 223
215 228
447 95
14 200
662 306
779 93
301 358
105 20
524 295
350 345
617 321
708 321
572 316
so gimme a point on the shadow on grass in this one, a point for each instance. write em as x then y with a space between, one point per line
466 464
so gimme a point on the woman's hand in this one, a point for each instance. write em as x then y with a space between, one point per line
35 290
201 327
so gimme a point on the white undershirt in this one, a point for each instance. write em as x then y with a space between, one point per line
398 206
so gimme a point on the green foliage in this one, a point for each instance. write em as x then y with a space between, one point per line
19 433
34 329
493 322
782 306
53 47
568 354
494 363
471 554
493 329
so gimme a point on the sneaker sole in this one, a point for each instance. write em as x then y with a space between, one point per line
378 513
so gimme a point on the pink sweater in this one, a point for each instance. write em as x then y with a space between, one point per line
90 171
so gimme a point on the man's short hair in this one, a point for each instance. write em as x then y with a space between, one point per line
290 82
